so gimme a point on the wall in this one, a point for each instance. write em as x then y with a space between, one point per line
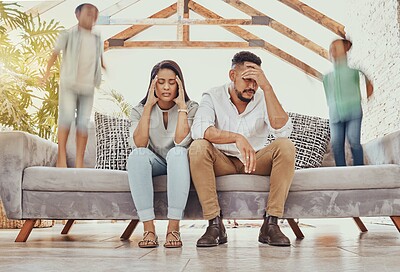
373 26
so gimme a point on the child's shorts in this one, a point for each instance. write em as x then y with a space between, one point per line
74 106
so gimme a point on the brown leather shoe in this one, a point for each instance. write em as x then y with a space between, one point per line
271 234
214 235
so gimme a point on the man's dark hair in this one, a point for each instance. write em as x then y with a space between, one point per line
242 56
79 8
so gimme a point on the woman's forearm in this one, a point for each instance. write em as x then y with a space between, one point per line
141 133
182 127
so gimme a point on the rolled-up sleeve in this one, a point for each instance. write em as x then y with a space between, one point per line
192 109
205 117
283 132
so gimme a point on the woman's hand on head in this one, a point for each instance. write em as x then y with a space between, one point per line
180 99
151 98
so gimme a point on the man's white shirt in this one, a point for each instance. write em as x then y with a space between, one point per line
216 109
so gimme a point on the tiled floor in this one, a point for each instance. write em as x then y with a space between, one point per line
329 245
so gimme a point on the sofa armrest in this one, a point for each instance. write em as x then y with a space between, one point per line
383 150
19 150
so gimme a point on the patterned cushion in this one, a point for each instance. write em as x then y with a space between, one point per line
311 136
112 142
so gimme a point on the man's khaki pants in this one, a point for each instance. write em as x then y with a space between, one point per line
275 160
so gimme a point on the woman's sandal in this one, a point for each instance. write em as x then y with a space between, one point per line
174 243
148 243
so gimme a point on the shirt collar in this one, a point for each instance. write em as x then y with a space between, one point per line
169 110
227 85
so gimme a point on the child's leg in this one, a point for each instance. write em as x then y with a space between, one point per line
85 104
66 115
353 131
62 147
81 141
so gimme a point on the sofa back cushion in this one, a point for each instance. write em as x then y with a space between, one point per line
310 135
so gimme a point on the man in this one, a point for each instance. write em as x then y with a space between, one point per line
230 131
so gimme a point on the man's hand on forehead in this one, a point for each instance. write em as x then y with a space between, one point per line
250 65
254 72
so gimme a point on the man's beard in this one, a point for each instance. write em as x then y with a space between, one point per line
244 99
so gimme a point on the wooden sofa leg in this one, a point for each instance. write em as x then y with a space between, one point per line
129 230
26 230
295 228
396 221
360 224
68 226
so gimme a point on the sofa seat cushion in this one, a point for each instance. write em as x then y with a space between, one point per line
314 179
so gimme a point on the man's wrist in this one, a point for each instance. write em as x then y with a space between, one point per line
237 136
267 88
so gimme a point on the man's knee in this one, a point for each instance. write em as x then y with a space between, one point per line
199 148
286 148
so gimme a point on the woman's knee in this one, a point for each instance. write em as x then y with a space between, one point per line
139 154
176 153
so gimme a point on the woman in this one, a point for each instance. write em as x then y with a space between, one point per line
342 89
161 135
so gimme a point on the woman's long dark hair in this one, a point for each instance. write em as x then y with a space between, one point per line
166 64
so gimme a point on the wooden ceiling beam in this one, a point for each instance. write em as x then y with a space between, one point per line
244 34
316 16
179 44
184 21
249 10
136 29
186 30
180 11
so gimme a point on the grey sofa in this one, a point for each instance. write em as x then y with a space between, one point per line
32 188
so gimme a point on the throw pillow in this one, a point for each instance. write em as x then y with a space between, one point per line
112 142
310 136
